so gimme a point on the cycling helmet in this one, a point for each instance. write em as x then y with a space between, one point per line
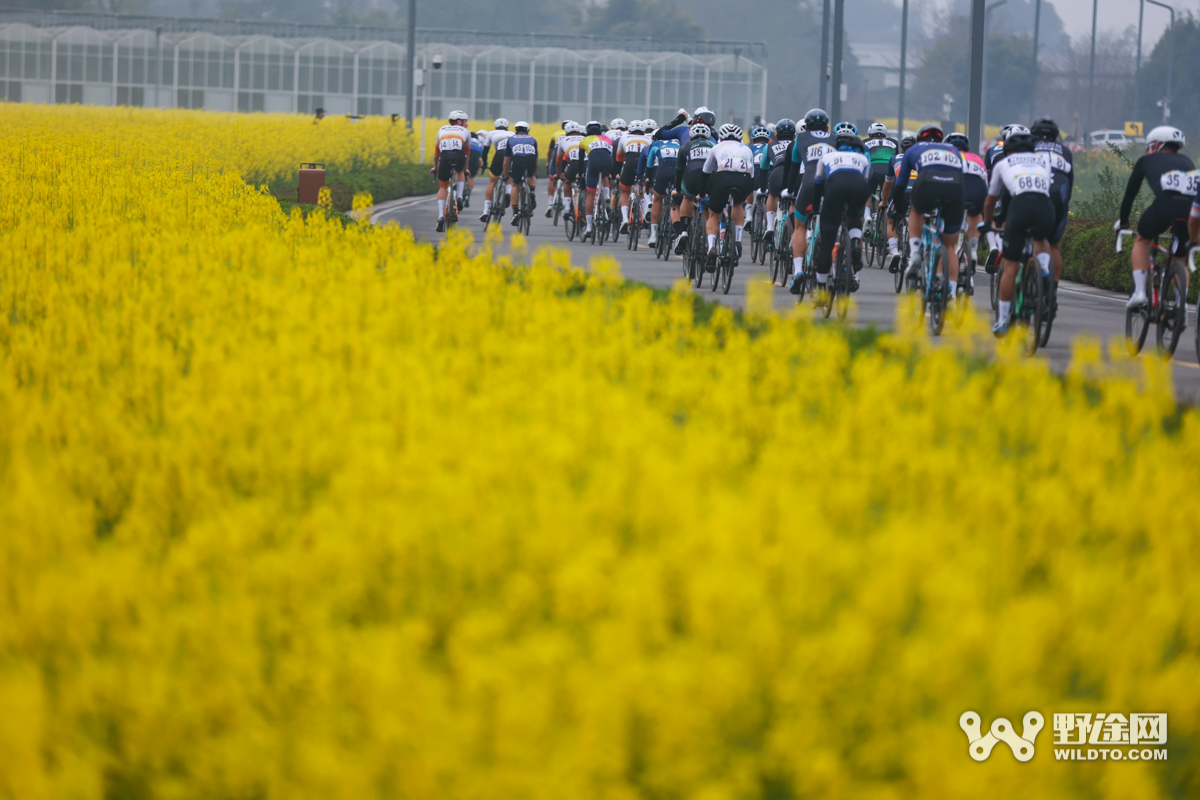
522 127
705 115
617 124
649 124
1014 129
482 132
729 131
801 126
785 129
636 126
575 129
877 129
699 130
846 127
816 120
1045 129
907 142
959 140
1006 130
501 123
1018 142
760 132
594 128
850 141
1164 135
567 123
930 133
458 116
604 128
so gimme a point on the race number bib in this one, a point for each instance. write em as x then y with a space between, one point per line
1059 163
733 164
1179 181
1031 182
839 163
599 144
973 168
524 150
450 143
634 147
940 158
815 151
667 153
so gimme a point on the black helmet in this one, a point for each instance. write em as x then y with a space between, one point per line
930 133
816 120
907 142
849 141
1045 129
959 140
1019 143
785 129
594 128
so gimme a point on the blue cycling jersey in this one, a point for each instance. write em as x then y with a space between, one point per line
659 152
928 157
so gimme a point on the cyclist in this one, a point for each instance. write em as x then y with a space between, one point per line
1025 175
896 204
975 189
729 166
773 162
841 190
881 148
657 163
597 151
476 156
1062 183
628 154
689 179
1173 178
760 139
1194 221
521 164
990 157
807 149
450 158
552 167
938 171
570 161
497 142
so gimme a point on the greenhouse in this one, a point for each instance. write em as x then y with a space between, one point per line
61 57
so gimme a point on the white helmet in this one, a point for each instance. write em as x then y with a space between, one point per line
1015 129
877 129
501 122
1165 134
801 126
576 129
649 124
522 125
699 131
481 133
729 131
636 126
617 124
458 116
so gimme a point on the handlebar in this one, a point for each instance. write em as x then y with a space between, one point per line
1121 234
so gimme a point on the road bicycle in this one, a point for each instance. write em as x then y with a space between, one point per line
808 278
1166 300
874 245
781 247
966 276
602 221
664 242
697 253
500 200
726 251
635 217
758 228
453 207
523 213
901 264
576 224
933 281
558 203
1029 306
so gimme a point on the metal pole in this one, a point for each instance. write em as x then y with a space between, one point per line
1170 56
1137 64
1091 75
412 61
839 18
987 17
825 54
903 70
974 100
1037 20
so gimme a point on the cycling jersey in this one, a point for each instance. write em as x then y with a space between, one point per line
894 168
805 152
840 161
596 144
568 147
882 149
729 156
757 149
928 157
973 166
1021 173
1166 173
659 152
453 139
522 145
774 154
992 155
690 165
631 146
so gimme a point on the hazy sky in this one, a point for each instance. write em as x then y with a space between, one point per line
1117 15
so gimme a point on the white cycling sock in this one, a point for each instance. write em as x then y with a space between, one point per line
993 240
797 265
487 206
1005 308
712 241
822 278
624 213
914 245
953 289
770 219
1139 281
737 233
973 247
458 187
441 208
588 217
1043 260
856 233
894 244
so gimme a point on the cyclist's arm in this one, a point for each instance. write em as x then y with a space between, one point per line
906 167
1131 190
886 192
504 169
1194 222
680 166
989 207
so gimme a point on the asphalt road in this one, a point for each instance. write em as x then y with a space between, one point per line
1082 309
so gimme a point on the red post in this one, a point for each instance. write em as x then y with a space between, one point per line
312 178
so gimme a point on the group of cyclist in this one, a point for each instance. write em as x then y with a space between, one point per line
1018 193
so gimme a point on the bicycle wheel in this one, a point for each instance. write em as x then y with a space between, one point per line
993 266
902 268
715 275
1050 308
845 272
1172 310
939 290
696 254
1137 325
558 207
726 264
1032 305
868 242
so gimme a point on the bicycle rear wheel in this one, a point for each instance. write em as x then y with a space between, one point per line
868 242
994 267
845 272
1172 310
1050 308
939 290
1032 305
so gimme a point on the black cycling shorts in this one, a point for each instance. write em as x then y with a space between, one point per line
879 173
664 178
775 181
944 188
898 205
760 179
975 191
574 168
629 173
1060 198
523 167
846 193
449 163
693 183
1168 212
804 201
1030 216
552 165
726 186
599 163
497 166
473 164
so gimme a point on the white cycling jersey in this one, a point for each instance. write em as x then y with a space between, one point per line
841 161
729 156
497 140
1021 173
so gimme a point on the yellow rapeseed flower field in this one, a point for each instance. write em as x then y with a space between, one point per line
291 510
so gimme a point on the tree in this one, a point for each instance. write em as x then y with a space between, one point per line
643 19
1185 88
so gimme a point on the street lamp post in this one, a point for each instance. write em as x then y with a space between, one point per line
1091 74
412 60
824 54
839 17
1170 57
903 69
1037 21
1137 64
983 100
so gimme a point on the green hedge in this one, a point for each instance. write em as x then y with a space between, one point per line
1090 256
388 183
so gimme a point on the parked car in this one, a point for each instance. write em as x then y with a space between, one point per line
1100 140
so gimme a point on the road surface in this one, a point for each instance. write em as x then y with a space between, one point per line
1082 309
